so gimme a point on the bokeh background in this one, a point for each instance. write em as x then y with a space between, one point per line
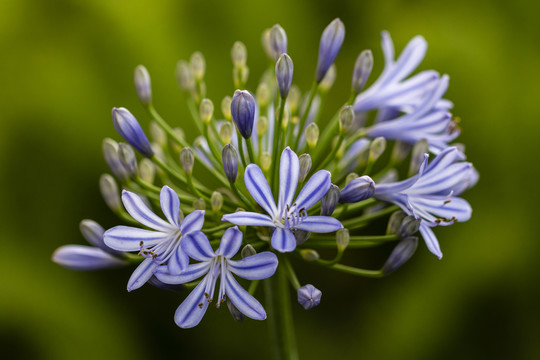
66 63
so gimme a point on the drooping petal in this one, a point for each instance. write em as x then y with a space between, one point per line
230 242
259 189
444 207
283 240
80 257
179 260
136 207
431 240
255 267
392 188
191 273
142 274
170 204
409 59
192 309
319 224
314 190
248 218
197 246
289 169
243 301
127 238
192 222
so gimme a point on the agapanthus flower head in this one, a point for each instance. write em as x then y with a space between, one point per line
162 244
219 264
288 215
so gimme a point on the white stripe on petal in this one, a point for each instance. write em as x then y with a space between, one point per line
191 273
230 243
197 246
170 204
243 301
136 207
289 169
255 267
192 222
127 238
314 190
319 224
248 218
259 189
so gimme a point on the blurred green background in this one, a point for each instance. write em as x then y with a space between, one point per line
66 63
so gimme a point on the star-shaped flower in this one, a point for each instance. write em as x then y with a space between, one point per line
288 215
160 245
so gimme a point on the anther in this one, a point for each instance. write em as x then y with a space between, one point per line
206 295
201 305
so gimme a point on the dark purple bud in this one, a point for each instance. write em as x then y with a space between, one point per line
356 190
330 201
229 158
243 112
399 256
128 127
309 296
331 41
284 74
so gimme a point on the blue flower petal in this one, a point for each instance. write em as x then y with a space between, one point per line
230 243
259 189
170 204
314 190
191 273
283 240
142 274
80 257
140 212
289 170
127 238
430 239
319 224
197 246
192 309
178 261
192 222
255 267
248 218
243 301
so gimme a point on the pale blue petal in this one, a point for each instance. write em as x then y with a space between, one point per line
243 301
409 59
430 239
259 189
191 273
142 274
256 267
80 257
314 190
197 246
319 224
192 222
170 204
392 188
127 238
136 207
283 240
192 309
289 169
178 261
248 218
230 243
444 207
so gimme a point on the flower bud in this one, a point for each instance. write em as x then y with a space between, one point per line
157 134
312 135
110 153
394 223
359 189
243 112
247 251
226 132
197 65
346 117
399 256
187 160
229 158
284 74
376 149
206 110
155 282
417 157
216 201
301 236
362 69
226 107
93 232
110 192
199 204
84 258
143 85
278 41
128 127
328 80
263 94
267 43
309 254
294 98
128 159
262 126
400 151
147 170
266 161
331 41
342 239
305 166
309 296
409 226
184 77
330 201
239 54
350 177
235 313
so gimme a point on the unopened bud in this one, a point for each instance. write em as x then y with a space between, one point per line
267 43
206 110
346 117
147 170
262 126
229 158
157 134
350 177
239 54
266 161
187 160
143 85
226 107
112 158
243 112
399 256
342 239
417 157
309 254
409 226
305 166
128 159
362 69
329 46
284 74
359 189
301 236
240 76
216 201
226 132
278 41
376 149
199 204
110 192
394 223
235 313
312 135
309 296
330 200
197 65
328 81
247 251
184 77
130 129
263 94
400 151
93 233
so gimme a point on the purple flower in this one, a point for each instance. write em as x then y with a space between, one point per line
160 245
213 265
432 194
309 296
391 89
288 215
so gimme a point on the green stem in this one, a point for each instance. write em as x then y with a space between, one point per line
304 117
275 150
362 220
251 153
331 156
357 271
